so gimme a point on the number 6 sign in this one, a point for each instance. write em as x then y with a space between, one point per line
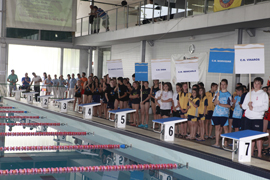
168 132
121 120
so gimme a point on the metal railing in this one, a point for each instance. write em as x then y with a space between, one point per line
141 13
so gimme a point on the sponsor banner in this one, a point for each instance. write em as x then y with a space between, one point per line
187 70
161 69
221 60
115 68
141 71
220 5
249 59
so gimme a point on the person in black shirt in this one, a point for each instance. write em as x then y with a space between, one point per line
145 104
96 97
122 92
78 95
88 90
110 95
127 97
104 100
135 96
154 90
116 102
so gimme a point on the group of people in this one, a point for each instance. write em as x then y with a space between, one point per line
96 16
203 110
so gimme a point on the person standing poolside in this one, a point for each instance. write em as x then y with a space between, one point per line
26 81
48 83
13 79
220 117
36 80
72 83
55 86
62 88
255 105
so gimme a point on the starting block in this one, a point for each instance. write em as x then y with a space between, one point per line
88 111
30 97
18 94
121 116
45 100
64 104
242 140
167 127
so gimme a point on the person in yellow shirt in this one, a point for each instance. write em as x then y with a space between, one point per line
202 110
192 112
183 101
210 109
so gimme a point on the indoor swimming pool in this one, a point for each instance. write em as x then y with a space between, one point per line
36 147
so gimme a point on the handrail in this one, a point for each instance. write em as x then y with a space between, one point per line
139 17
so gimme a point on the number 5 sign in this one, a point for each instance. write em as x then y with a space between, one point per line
121 120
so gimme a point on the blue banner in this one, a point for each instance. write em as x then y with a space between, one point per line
221 60
141 71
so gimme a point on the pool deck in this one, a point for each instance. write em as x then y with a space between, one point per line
263 164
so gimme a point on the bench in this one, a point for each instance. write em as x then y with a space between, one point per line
167 127
64 104
121 116
29 96
88 110
242 140
45 100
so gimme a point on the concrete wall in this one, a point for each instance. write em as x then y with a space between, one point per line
130 53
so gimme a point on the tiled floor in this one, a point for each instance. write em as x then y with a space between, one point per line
201 146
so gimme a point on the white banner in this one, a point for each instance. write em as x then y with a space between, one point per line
249 59
187 70
161 69
115 68
52 15
202 64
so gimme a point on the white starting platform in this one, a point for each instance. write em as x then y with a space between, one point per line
121 116
64 104
88 110
18 94
167 127
45 100
242 140
30 96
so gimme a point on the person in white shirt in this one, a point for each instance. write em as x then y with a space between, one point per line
255 104
158 101
166 100
55 86
36 80
62 88
176 107
72 83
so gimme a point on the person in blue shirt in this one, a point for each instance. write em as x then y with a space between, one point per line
55 86
222 101
237 112
72 83
100 13
48 82
62 88
26 81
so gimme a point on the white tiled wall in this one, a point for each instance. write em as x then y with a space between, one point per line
130 53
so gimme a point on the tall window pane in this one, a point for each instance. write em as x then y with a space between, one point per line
71 61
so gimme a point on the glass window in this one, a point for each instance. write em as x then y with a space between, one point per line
56 36
22 33
36 59
71 62
106 56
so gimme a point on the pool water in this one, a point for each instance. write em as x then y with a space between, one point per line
141 152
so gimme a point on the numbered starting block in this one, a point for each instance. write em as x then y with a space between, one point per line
18 94
121 116
64 104
167 127
45 100
88 110
30 96
241 149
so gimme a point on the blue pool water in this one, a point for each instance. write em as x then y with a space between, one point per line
142 152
